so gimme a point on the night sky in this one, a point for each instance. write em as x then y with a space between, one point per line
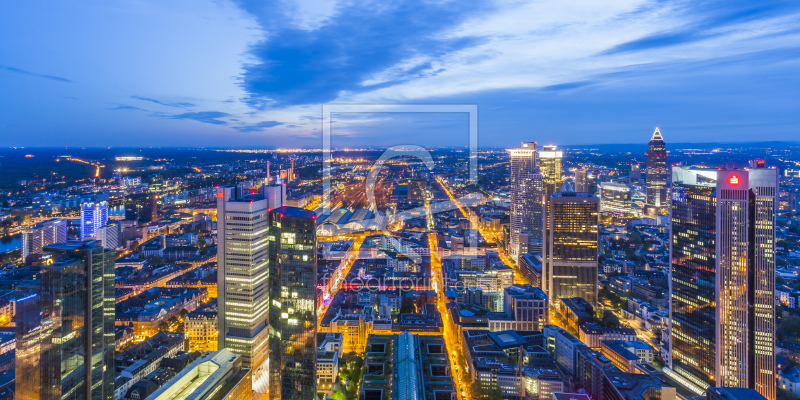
253 73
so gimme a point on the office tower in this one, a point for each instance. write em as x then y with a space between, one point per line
93 216
550 167
657 174
581 185
293 303
141 207
527 211
110 235
635 175
585 182
571 246
42 234
615 197
722 277
156 184
66 337
242 229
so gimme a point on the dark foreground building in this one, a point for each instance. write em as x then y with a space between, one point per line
293 305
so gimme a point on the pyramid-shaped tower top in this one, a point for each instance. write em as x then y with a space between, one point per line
657 135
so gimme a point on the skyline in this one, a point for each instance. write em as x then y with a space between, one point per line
247 74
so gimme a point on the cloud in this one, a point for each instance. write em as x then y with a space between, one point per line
22 71
258 127
209 117
127 108
307 63
180 105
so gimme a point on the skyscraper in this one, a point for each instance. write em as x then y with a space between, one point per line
66 337
550 167
723 277
43 234
527 190
657 174
571 246
93 216
141 207
585 182
293 303
242 229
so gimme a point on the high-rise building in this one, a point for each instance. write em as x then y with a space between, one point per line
615 197
723 277
42 234
141 207
585 182
293 303
657 174
550 166
527 191
93 216
571 253
242 229
110 235
635 175
65 340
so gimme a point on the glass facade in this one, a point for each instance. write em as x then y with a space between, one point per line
693 281
76 325
572 240
657 173
93 216
723 277
526 198
292 308
550 167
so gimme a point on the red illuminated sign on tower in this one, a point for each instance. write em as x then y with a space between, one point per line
734 180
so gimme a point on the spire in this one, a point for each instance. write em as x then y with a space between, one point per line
657 135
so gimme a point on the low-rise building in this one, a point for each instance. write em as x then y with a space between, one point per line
215 375
626 354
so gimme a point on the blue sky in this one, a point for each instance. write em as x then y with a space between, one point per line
247 73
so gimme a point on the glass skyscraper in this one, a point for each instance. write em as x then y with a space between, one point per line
657 174
723 277
65 331
571 253
293 303
550 166
93 216
527 208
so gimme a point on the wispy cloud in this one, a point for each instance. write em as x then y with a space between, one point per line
258 127
159 102
127 108
24 72
209 117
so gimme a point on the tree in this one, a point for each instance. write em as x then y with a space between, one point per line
780 281
790 326
338 395
156 260
163 326
610 320
409 308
